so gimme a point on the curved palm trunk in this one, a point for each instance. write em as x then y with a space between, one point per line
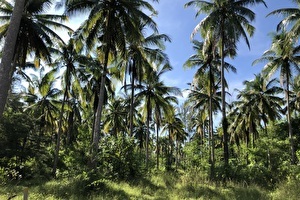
6 70
290 128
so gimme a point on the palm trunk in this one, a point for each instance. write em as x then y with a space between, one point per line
97 120
56 156
131 105
6 69
290 128
177 153
148 131
247 145
224 118
157 147
211 125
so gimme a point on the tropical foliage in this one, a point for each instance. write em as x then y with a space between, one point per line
95 108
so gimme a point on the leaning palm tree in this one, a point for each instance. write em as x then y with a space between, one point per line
283 56
111 23
35 33
8 52
227 20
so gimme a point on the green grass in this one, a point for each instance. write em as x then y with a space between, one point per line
161 186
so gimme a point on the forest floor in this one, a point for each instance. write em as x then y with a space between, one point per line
159 187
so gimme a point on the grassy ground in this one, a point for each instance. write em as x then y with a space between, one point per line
161 186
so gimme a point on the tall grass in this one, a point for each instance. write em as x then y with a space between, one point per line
158 186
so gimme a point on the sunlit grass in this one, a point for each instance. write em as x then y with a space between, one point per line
159 186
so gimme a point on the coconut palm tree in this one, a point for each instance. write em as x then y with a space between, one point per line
112 23
175 129
42 100
295 96
36 35
115 117
283 56
256 105
291 19
6 70
206 57
262 95
227 20
67 63
140 55
156 97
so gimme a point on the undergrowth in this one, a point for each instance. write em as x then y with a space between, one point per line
158 186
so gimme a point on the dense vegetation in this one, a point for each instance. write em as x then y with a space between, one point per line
92 118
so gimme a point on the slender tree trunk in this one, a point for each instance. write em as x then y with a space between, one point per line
57 148
157 147
6 68
148 132
97 120
224 118
211 125
223 96
247 146
290 128
131 103
177 153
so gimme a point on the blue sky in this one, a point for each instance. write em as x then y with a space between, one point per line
178 22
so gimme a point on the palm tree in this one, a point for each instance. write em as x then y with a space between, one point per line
227 20
141 54
112 23
36 35
155 96
115 117
257 104
295 96
69 59
291 19
175 129
204 98
283 56
41 99
8 52
206 57
262 95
